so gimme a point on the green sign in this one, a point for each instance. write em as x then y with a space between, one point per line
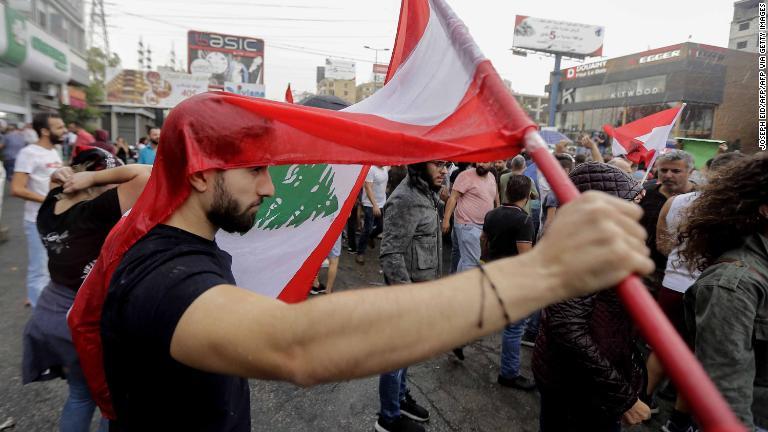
16 37
302 192
59 58
701 149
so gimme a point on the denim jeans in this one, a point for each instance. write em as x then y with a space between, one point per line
372 226
78 410
468 236
532 323
352 229
37 264
510 349
392 389
455 253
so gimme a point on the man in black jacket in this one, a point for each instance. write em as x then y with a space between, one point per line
585 363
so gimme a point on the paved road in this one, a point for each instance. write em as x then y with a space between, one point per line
462 396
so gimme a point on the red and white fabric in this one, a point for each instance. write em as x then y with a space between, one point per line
443 100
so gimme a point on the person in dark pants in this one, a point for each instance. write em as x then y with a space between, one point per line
373 200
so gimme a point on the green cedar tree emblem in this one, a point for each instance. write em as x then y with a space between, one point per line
302 192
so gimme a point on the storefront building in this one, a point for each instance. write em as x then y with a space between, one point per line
719 86
42 57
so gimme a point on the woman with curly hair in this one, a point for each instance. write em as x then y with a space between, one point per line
726 237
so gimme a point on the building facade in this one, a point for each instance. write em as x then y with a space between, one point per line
42 57
365 90
743 35
341 88
719 86
536 106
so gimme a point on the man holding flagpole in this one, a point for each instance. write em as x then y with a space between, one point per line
179 337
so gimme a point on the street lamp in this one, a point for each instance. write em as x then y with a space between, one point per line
376 50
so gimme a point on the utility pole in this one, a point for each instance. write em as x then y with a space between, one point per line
97 32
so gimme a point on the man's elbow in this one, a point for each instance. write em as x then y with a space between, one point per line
301 369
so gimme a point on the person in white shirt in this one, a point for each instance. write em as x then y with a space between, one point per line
374 198
31 181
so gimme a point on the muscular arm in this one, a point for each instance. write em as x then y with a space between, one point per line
19 188
130 178
450 206
363 332
369 193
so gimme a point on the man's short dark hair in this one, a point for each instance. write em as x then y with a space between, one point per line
41 121
566 160
518 188
580 159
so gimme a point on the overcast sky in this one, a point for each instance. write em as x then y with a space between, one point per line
300 34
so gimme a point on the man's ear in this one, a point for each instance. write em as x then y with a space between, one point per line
201 181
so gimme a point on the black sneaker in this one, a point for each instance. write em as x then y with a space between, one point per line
519 382
401 424
409 408
317 290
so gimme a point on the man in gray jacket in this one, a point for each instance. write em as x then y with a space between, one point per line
411 251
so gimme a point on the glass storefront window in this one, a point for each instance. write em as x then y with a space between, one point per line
623 89
697 120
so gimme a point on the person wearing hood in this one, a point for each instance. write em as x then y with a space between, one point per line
588 370
102 141
411 251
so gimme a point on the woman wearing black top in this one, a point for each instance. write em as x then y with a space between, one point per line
73 222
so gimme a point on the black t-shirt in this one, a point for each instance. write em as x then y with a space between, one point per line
74 238
156 281
651 204
504 227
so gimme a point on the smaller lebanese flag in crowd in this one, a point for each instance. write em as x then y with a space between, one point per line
642 139
289 94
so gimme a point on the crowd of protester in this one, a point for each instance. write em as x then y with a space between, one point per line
707 235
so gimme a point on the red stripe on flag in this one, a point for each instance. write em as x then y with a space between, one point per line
414 16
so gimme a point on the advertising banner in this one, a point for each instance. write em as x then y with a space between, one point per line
226 59
574 39
157 89
379 72
339 69
245 89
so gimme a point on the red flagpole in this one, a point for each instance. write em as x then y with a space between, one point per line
710 409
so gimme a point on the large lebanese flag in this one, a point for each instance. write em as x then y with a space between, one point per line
443 100
642 139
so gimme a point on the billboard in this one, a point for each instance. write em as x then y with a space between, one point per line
158 89
379 72
339 69
576 40
227 61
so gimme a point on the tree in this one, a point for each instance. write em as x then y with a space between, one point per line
302 192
